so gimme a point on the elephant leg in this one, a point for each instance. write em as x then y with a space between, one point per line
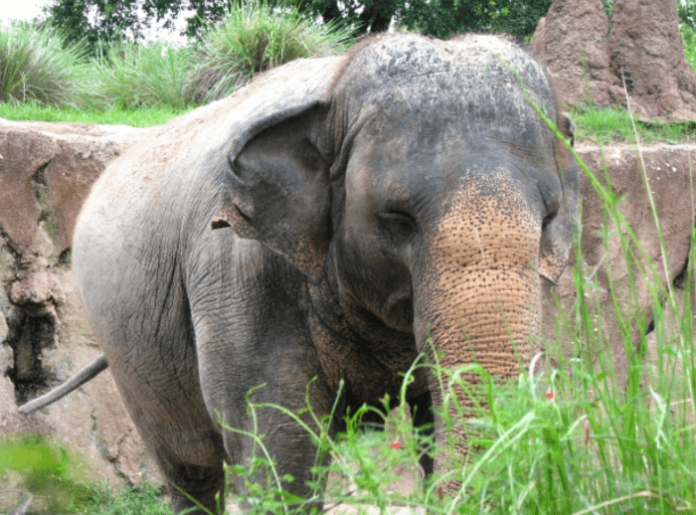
424 421
290 445
175 426
194 486
168 410
152 357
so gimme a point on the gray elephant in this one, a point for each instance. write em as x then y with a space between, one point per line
362 204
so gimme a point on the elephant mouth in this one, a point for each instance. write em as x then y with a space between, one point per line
399 314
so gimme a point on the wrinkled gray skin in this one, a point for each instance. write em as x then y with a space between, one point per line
361 203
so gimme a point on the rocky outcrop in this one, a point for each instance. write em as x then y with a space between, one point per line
588 63
572 41
647 50
666 169
46 171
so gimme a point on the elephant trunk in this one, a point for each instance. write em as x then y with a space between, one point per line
477 299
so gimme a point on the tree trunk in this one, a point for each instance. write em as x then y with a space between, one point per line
332 12
375 17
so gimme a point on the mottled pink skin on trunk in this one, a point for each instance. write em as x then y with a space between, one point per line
480 292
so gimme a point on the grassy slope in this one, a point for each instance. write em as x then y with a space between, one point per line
600 125
143 117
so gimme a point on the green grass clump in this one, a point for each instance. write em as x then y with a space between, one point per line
689 38
36 64
54 475
129 76
145 499
253 37
611 124
141 117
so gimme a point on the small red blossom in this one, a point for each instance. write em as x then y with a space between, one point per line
549 396
396 445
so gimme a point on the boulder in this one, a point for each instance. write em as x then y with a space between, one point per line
647 50
588 63
571 40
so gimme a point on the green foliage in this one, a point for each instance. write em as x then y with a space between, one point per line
145 499
37 65
117 19
609 7
55 476
608 124
141 117
128 76
252 38
687 13
97 21
442 18
689 37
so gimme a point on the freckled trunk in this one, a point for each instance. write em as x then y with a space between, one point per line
478 294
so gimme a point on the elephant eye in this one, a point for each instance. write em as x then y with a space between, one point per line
548 219
398 224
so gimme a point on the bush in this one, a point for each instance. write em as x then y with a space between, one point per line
254 37
689 37
128 76
37 65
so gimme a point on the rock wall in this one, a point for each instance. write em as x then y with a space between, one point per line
45 173
668 172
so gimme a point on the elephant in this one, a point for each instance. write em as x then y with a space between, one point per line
326 225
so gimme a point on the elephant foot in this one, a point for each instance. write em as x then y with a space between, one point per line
197 487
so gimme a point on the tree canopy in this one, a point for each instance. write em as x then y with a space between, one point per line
106 20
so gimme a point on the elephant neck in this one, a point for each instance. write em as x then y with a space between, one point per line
357 347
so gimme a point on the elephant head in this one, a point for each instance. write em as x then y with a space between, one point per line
414 181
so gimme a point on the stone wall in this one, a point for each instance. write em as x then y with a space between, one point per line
668 172
45 173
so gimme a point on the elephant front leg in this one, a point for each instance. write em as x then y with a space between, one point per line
272 442
191 486
423 420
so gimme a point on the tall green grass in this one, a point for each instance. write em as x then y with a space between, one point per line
254 37
129 76
37 65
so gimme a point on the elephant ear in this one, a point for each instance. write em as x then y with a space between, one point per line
276 189
557 238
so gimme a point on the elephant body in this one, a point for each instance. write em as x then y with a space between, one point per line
322 223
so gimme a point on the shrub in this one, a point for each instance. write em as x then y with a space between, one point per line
37 65
128 76
689 37
254 37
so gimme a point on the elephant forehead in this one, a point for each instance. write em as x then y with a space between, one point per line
489 224
477 76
